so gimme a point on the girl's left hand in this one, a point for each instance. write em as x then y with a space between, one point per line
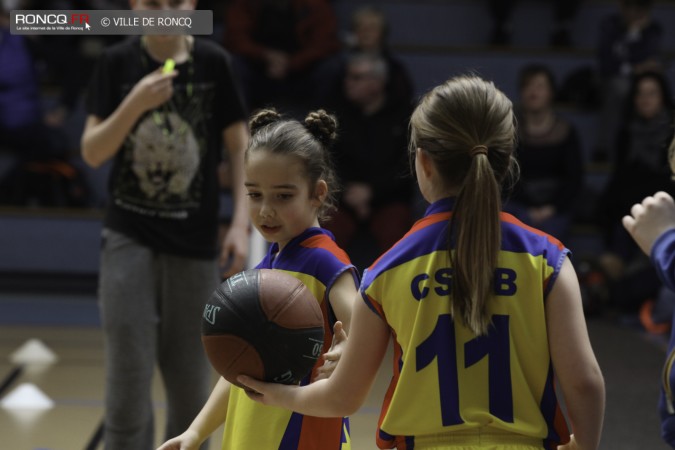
266 393
332 356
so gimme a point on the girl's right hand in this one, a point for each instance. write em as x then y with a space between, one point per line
186 441
332 357
153 90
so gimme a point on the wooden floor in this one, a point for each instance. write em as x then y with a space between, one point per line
75 384
630 360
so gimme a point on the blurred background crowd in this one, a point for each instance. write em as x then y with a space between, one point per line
591 81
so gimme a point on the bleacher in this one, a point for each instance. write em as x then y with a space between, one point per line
435 38
440 38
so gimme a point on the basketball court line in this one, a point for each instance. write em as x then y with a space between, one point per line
96 438
11 377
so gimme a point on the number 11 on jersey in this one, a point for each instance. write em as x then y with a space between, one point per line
442 346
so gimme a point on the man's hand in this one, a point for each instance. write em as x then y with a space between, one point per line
153 90
234 251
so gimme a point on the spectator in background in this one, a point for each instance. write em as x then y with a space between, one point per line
564 12
641 169
283 49
35 152
630 43
370 30
371 157
25 128
550 157
164 134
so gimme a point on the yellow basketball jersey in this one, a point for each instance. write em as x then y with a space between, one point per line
446 379
315 259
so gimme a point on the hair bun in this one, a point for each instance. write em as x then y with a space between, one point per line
323 126
262 118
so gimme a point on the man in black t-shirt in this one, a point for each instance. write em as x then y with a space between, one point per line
164 134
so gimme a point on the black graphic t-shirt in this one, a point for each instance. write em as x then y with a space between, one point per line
163 188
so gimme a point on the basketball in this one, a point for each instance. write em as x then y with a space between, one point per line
265 324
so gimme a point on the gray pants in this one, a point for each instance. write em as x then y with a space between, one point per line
151 307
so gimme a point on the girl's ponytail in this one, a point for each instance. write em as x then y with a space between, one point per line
476 231
466 126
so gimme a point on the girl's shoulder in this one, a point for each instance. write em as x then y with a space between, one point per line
325 244
313 252
520 237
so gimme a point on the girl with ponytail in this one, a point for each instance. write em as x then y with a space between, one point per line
291 186
484 311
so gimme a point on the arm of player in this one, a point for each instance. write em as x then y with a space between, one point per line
574 361
235 244
102 138
341 298
345 391
650 219
207 421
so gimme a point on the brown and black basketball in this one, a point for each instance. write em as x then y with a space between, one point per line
265 324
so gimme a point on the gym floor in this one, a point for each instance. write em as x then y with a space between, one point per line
68 326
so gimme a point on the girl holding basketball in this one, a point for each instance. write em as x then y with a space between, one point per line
290 186
484 311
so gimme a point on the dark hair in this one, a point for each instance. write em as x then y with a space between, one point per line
532 70
308 141
466 126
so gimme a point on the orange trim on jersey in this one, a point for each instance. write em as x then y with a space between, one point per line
429 220
508 218
318 429
419 225
327 340
398 355
376 306
560 425
325 242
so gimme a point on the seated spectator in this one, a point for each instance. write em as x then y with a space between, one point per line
641 169
23 123
371 157
369 29
35 149
549 154
630 43
279 48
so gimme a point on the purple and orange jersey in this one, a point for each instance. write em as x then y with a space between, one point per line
315 259
447 381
